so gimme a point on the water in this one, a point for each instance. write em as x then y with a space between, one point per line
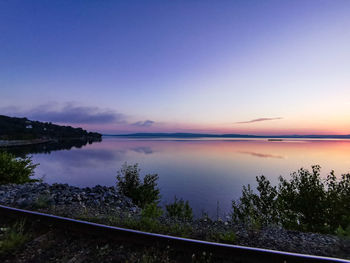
205 172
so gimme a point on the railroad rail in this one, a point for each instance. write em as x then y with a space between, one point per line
238 253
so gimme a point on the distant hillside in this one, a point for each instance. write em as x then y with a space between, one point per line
202 135
23 129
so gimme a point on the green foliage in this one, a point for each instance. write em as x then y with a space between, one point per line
179 209
151 211
15 170
343 232
129 183
13 238
149 218
306 202
254 209
302 201
222 236
43 201
182 230
227 237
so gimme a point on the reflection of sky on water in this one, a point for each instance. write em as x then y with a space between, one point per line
201 171
144 149
263 155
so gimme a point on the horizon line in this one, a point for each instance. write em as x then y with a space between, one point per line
190 134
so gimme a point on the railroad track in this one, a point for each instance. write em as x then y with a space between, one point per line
238 253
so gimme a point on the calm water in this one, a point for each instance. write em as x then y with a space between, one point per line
202 171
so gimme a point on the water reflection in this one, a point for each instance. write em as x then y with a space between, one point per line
49 147
201 171
263 155
144 149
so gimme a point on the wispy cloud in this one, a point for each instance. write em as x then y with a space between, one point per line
69 113
259 120
147 123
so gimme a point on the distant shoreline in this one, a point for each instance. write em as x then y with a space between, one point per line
242 136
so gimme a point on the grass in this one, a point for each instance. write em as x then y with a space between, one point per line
13 238
42 201
150 223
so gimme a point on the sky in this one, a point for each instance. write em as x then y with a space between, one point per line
252 67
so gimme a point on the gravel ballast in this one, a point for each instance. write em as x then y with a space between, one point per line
101 201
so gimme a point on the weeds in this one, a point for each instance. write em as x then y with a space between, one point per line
343 232
13 238
179 209
227 237
43 201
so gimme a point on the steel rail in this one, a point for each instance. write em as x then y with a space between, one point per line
239 253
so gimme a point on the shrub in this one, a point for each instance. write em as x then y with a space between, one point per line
343 232
256 210
15 170
225 237
129 184
42 201
306 202
151 211
302 201
179 209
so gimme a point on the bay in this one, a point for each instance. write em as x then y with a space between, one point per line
209 173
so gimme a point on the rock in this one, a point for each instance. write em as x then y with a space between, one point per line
23 202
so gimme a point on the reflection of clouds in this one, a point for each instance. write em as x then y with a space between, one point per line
87 157
262 155
143 149
92 157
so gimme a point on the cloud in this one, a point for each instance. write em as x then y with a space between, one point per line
258 120
147 123
70 113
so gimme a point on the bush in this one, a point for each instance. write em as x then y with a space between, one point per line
151 211
15 170
306 202
256 210
228 237
42 201
343 232
129 184
179 209
302 201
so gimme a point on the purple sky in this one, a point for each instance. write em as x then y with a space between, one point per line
261 67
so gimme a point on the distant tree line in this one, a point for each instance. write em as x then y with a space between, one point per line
12 128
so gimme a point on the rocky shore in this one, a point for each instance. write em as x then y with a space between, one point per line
45 196
105 202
